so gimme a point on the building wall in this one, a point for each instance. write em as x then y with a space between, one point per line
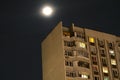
52 55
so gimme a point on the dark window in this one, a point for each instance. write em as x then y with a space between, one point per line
94 60
104 62
80 35
69 53
69 43
112 56
83 64
70 74
95 70
101 43
110 45
68 63
115 73
105 74
102 52
114 66
96 78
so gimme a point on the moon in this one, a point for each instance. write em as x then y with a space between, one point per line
47 11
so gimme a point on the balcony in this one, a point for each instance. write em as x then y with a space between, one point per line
83 64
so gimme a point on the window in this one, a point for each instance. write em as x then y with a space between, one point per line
68 63
70 74
69 53
83 75
93 50
104 62
115 73
69 43
80 44
106 78
101 43
102 52
105 70
113 61
112 54
83 64
96 78
95 69
94 60
80 35
91 40
111 51
82 53
110 45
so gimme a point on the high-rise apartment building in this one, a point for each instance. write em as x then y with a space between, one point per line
80 54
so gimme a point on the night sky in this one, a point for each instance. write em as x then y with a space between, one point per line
22 30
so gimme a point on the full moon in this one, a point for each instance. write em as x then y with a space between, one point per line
47 11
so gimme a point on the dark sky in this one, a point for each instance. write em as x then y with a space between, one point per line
22 29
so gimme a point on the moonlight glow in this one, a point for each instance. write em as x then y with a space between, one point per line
47 11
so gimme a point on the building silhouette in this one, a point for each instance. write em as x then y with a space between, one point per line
80 54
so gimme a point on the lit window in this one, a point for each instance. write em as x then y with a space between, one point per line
106 78
105 70
111 51
91 40
84 76
113 62
80 44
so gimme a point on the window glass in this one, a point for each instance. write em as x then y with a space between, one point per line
93 50
80 44
91 39
106 78
113 61
105 70
83 64
111 51
84 76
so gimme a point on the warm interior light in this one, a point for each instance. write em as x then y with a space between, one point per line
113 62
91 40
105 69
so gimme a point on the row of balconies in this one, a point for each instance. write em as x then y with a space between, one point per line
80 53
77 64
77 75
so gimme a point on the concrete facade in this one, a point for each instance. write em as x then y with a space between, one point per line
80 54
